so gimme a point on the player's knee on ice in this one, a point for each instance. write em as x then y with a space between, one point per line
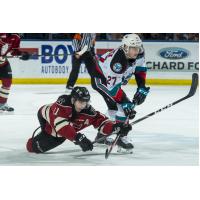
43 142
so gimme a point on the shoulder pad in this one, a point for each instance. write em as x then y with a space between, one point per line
119 62
64 100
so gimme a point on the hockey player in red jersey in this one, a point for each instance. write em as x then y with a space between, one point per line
66 117
9 44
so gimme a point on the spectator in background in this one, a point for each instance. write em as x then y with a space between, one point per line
169 36
62 36
180 36
36 35
193 36
101 36
116 36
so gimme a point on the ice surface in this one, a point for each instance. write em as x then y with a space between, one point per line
168 138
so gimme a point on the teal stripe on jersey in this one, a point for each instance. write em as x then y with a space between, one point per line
120 118
111 93
140 69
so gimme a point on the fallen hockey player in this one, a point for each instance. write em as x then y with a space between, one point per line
66 117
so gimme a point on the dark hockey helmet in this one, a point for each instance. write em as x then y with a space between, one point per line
80 93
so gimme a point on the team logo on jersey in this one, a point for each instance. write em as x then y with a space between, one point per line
117 67
60 100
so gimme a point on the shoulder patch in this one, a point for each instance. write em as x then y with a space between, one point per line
117 67
64 100
119 62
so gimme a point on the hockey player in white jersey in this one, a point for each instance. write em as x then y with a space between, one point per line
113 70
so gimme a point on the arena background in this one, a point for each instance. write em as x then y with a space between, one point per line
171 58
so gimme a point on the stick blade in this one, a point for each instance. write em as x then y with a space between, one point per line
195 80
106 154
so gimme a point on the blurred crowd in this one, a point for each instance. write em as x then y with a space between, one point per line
116 36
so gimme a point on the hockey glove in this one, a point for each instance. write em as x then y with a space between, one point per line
25 56
122 129
141 95
129 110
83 142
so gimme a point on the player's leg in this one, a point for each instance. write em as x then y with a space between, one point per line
43 141
76 63
98 84
111 113
112 108
111 104
6 78
90 63
123 142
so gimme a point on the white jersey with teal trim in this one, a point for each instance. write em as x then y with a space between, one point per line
117 69
112 75
138 65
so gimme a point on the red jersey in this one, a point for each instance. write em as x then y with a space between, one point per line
64 121
8 44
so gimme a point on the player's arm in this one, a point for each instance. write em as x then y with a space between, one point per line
107 127
65 129
140 77
15 51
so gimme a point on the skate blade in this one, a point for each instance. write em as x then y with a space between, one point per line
6 112
125 151
101 145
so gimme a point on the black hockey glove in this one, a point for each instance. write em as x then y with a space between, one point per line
129 110
83 142
141 95
122 129
24 56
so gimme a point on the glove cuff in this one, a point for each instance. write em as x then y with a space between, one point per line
79 137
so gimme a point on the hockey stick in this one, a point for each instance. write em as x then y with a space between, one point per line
192 91
85 48
190 94
38 55
108 151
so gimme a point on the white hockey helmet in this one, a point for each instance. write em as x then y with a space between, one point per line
131 40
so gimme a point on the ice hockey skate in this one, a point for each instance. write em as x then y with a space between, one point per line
106 141
124 145
4 108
